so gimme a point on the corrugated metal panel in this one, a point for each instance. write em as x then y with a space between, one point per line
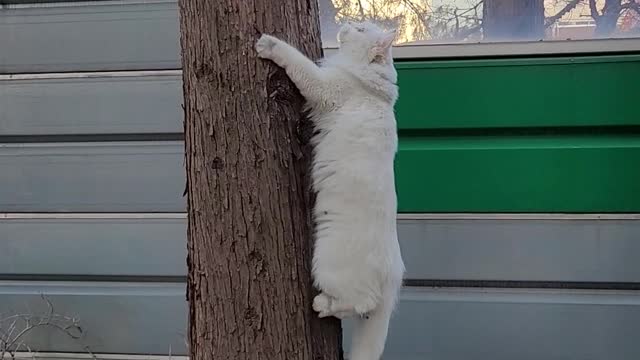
92 177
592 173
506 325
115 177
89 36
568 91
125 104
607 87
511 250
441 324
97 103
136 318
543 250
115 246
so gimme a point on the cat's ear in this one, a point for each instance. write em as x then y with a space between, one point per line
379 53
387 39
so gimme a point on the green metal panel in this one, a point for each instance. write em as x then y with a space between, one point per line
591 91
519 175
534 135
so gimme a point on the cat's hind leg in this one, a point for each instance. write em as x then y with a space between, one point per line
327 305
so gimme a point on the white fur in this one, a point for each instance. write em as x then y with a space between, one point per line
357 263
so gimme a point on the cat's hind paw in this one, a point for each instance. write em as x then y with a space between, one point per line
265 46
322 305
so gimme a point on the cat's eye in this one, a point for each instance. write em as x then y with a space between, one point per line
360 29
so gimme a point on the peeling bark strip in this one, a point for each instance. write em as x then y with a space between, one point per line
249 233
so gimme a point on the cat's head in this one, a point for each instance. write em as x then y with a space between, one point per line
366 42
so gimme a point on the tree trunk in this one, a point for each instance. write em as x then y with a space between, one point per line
513 20
607 22
247 161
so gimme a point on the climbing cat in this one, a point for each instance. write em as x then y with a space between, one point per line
357 264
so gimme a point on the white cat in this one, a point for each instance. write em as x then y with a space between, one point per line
357 264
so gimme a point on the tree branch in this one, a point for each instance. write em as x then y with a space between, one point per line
570 6
361 10
631 5
595 14
469 32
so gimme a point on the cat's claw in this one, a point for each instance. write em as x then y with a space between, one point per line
265 45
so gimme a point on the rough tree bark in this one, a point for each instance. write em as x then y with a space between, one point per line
513 20
247 156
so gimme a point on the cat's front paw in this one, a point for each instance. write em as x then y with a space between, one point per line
265 46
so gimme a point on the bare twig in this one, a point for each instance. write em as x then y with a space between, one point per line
418 20
88 350
570 6
631 5
463 35
14 328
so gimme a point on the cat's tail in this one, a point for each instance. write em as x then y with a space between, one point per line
370 333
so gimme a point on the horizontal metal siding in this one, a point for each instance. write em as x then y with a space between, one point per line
92 177
149 177
555 134
507 325
510 250
136 318
444 324
525 250
538 173
97 103
96 36
595 173
567 91
130 246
